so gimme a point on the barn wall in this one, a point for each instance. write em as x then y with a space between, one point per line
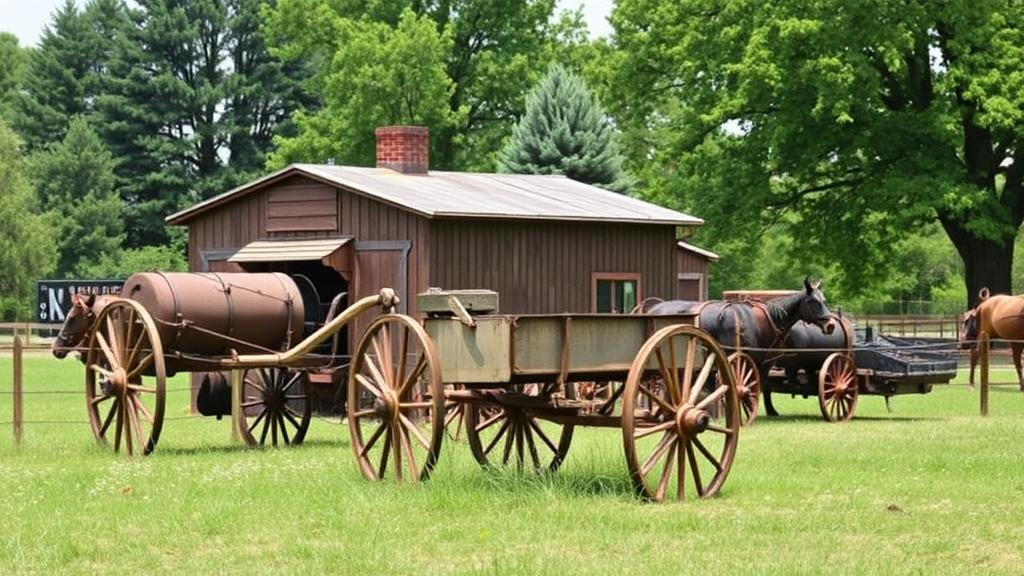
546 267
692 277
233 225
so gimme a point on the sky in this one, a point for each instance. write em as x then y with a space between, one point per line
26 18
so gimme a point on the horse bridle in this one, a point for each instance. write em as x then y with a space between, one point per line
64 336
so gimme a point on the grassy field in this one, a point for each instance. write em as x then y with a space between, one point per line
929 489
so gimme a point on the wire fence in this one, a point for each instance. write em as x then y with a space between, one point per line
983 355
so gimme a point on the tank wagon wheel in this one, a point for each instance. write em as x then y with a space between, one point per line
748 385
837 388
679 439
396 401
504 436
454 414
125 380
275 403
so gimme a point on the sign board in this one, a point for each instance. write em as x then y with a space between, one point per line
55 296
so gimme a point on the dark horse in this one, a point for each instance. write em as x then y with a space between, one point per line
755 327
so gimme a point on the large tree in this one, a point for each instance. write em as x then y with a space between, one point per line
192 101
13 62
565 131
74 181
851 123
493 49
26 245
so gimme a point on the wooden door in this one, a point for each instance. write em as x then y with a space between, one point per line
378 265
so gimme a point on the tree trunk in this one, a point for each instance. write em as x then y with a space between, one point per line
987 264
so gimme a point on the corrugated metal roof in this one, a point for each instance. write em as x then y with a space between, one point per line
288 250
698 250
472 195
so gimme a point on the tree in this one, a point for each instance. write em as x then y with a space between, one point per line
861 121
26 247
192 101
493 49
66 72
565 131
380 75
13 61
74 182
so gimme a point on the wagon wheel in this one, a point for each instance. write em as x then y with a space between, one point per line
837 387
682 374
748 385
505 436
275 402
396 402
125 378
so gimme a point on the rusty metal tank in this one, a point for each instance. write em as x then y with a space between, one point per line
193 310
814 345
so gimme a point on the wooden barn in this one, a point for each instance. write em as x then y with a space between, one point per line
544 243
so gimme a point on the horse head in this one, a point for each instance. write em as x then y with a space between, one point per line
813 309
77 324
971 328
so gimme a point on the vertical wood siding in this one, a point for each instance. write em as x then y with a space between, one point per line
545 267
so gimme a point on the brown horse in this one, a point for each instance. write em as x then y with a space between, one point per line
1000 316
78 323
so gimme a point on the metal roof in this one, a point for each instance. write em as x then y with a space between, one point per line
471 195
697 250
288 250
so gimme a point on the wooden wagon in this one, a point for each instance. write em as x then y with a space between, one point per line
673 396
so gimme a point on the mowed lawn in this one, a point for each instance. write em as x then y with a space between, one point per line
930 489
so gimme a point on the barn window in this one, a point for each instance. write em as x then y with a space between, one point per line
616 293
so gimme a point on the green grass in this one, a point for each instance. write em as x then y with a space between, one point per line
931 488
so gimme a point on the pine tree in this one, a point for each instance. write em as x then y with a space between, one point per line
26 246
74 182
193 102
565 131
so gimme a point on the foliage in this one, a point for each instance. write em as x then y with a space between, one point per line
192 101
13 63
379 76
74 182
565 131
26 245
65 73
864 121
125 262
490 51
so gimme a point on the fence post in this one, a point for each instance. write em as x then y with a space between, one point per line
983 346
16 394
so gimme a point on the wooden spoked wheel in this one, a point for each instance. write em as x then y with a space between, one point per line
680 415
837 388
275 406
125 380
454 414
503 436
396 403
748 385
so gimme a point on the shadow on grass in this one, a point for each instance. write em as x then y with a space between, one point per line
239 448
785 419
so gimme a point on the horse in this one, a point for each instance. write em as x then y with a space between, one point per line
1000 316
754 325
78 323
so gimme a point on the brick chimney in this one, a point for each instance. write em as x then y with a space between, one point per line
403 148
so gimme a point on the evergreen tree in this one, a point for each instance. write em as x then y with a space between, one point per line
26 246
565 131
13 62
74 182
193 101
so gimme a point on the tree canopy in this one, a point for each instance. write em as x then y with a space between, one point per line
850 124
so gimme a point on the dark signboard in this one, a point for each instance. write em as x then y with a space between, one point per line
55 296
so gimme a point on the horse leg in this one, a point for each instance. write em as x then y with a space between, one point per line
974 362
1017 348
